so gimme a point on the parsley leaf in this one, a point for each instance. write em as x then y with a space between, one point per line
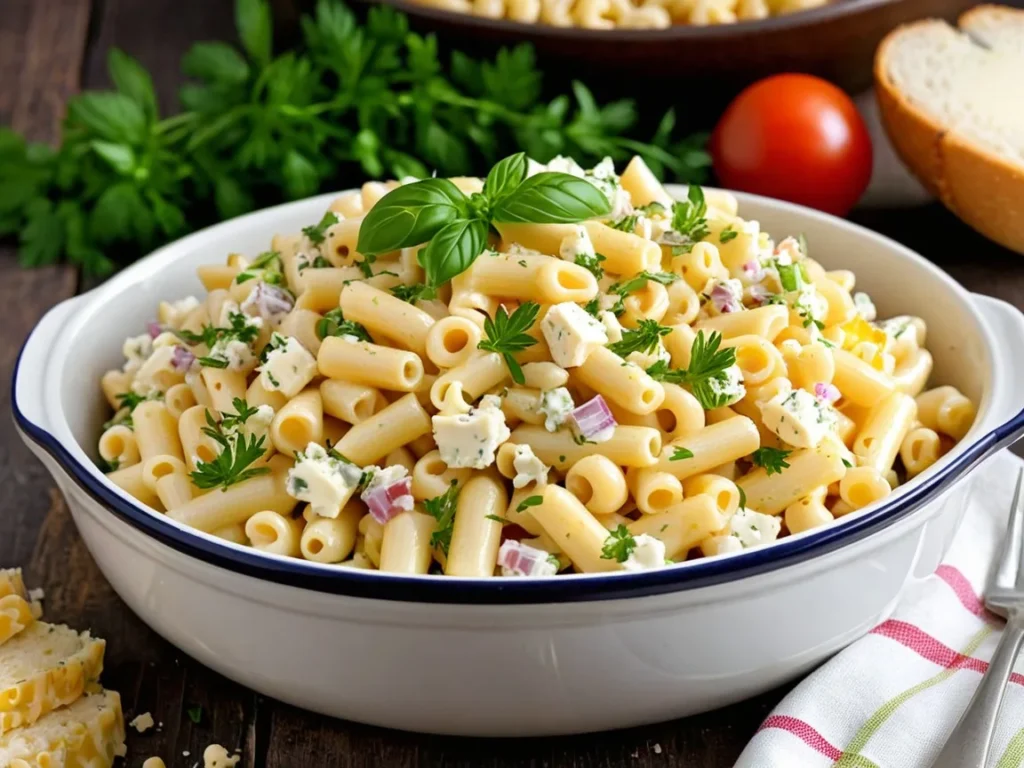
728 234
507 334
743 497
772 459
689 220
334 324
529 501
645 338
681 453
233 464
591 264
499 519
243 412
442 508
195 714
619 545
317 233
707 373
414 293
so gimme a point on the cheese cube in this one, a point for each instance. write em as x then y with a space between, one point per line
572 334
289 366
470 439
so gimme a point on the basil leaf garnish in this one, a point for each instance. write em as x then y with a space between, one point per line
409 215
505 177
453 250
552 198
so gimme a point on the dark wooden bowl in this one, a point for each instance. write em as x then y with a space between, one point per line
836 42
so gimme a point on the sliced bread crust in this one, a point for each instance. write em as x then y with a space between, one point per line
88 734
969 174
45 667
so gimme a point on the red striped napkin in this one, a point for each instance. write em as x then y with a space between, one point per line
890 699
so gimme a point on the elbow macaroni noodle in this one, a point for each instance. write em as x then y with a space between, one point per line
259 415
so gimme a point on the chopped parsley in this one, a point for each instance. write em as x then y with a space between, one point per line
334 324
414 293
772 459
195 714
689 220
442 509
508 333
318 232
592 264
681 453
645 338
529 501
727 234
619 545
708 370
233 463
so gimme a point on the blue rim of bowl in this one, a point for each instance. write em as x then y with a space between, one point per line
562 589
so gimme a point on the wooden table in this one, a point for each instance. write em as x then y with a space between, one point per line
50 48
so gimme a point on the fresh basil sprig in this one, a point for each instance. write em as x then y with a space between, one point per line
456 226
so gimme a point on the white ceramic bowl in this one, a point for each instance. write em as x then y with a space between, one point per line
527 656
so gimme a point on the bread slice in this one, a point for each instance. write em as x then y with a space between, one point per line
15 616
45 667
87 734
11 583
951 103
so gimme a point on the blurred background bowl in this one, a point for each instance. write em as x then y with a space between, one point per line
835 41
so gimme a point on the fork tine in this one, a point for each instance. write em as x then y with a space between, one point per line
1010 571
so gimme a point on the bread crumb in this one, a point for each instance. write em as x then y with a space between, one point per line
215 756
142 723
154 762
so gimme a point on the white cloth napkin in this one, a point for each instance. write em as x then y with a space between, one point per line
891 699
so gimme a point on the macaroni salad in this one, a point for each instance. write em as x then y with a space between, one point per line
624 14
550 370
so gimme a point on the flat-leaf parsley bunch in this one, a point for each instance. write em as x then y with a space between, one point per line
353 100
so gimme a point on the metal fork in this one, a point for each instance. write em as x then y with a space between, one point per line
969 743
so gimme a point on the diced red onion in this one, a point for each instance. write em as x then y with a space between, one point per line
828 393
724 300
753 271
182 359
269 300
593 418
387 501
520 558
154 328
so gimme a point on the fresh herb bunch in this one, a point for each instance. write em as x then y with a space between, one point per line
354 99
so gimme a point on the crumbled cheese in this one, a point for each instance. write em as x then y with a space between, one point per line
235 353
730 385
865 306
895 328
529 469
576 244
143 722
752 529
572 334
646 359
724 295
811 305
556 405
215 756
470 439
612 326
385 476
37 595
136 350
325 482
257 425
649 553
799 418
289 366
517 250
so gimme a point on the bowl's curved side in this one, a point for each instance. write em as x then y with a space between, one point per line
520 670
129 297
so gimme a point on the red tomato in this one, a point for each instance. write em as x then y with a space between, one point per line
797 138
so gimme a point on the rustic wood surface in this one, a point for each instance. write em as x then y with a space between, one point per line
48 50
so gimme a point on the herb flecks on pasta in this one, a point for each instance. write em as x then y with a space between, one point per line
550 370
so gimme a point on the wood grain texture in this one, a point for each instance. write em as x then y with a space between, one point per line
43 49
